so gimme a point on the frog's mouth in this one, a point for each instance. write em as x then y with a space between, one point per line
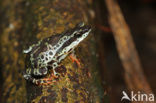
76 35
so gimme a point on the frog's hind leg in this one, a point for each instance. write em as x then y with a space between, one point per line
37 81
29 78
42 81
39 71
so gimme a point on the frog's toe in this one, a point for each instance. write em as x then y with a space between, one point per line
45 82
27 77
74 59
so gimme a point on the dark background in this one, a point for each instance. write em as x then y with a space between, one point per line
140 15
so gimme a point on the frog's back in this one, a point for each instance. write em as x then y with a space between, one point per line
45 43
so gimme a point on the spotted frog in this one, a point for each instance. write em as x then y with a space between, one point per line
48 53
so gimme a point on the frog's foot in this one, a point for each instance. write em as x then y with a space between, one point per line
47 81
42 81
74 59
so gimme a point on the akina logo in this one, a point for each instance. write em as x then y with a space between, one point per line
138 97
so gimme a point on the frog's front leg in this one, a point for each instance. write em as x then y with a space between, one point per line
31 75
74 59
42 71
54 66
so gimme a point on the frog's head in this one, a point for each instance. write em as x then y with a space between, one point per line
71 39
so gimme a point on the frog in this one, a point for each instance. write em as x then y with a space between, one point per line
48 53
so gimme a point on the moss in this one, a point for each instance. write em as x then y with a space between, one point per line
13 86
41 19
